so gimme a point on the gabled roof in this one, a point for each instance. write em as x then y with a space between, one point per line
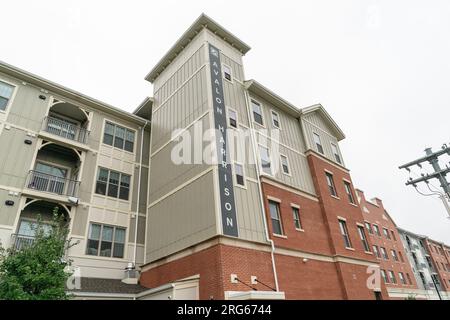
66 92
202 22
144 110
339 134
257 88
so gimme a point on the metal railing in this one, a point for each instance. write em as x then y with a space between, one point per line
52 184
20 241
65 129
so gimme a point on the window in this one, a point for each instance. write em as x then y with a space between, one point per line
232 118
386 233
265 160
348 190
239 172
376 251
400 255
402 278
393 235
118 137
319 147
383 274
376 230
362 235
274 208
330 183
227 72
275 119
285 164
392 276
337 157
409 278
6 92
257 113
113 184
394 255
296 214
105 241
344 233
384 253
368 227
430 264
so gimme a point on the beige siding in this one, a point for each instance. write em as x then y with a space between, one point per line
8 214
141 230
182 219
166 175
80 221
27 110
313 123
187 104
15 164
249 212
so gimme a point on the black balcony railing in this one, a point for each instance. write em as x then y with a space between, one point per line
65 129
20 241
52 184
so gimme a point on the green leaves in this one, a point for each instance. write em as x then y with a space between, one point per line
37 271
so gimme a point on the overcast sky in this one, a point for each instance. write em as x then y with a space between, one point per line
381 69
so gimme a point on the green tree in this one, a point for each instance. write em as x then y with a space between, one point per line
37 271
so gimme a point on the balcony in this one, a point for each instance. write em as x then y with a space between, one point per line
65 129
19 241
47 183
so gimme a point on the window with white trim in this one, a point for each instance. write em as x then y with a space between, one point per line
383 275
6 91
113 184
227 72
275 119
330 183
105 241
362 235
384 253
402 278
368 227
239 172
376 251
296 216
265 160
376 230
274 208
285 164
336 154
118 136
392 276
257 112
394 255
232 118
318 143
348 190
344 233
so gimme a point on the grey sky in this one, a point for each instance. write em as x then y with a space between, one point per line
381 68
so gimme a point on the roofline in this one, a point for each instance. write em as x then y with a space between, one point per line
142 104
203 21
253 84
65 92
319 107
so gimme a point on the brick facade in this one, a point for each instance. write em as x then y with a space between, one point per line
441 262
375 215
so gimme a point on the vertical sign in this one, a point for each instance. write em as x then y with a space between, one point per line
227 204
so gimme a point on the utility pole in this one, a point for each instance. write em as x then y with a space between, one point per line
440 174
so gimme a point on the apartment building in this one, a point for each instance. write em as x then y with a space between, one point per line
387 246
423 265
275 217
438 255
63 149
284 223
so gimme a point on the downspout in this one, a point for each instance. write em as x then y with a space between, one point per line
261 199
138 195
